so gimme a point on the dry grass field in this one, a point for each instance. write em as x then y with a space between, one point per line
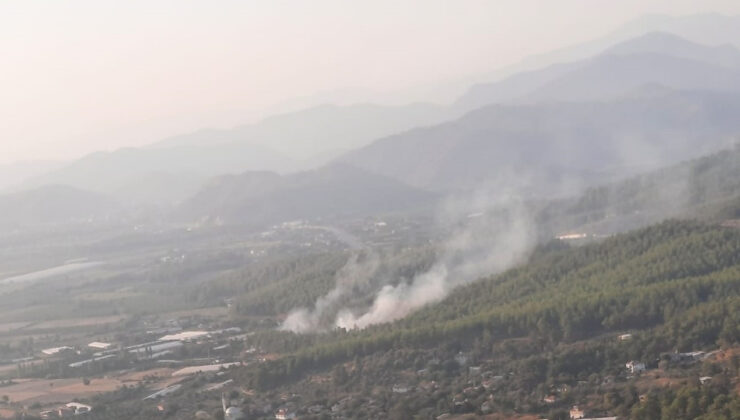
44 391
51 391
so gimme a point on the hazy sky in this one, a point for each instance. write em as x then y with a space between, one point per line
79 76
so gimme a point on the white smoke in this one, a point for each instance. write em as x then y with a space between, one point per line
489 243
355 277
490 234
395 302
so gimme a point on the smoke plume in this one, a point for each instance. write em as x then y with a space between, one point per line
356 277
489 234
486 242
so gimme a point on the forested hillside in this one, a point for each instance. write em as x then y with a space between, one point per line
706 188
674 286
275 286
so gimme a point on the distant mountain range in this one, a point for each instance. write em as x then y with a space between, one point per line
54 204
13 174
311 132
175 168
635 105
122 170
707 29
536 147
665 43
261 198
557 148
652 58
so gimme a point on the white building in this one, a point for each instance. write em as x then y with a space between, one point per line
284 414
100 345
233 413
400 389
576 413
185 336
635 367
191 370
56 350
79 408
572 236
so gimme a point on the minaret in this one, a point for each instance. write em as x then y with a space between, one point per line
230 413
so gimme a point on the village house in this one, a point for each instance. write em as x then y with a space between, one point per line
576 413
471 390
459 400
401 389
689 357
635 367
284 414
79 408
65 412
57 350
562 388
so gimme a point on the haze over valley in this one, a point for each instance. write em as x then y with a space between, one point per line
442 211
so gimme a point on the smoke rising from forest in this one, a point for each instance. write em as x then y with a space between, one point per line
490 234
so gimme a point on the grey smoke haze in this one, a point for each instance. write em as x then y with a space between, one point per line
484 242
684 190
594 141
495 229
75 83
489 243
308 138
354 278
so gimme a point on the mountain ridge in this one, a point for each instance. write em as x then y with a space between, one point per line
261 198
539 141
55 204
666 50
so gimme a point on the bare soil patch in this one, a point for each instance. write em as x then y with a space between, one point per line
46 391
